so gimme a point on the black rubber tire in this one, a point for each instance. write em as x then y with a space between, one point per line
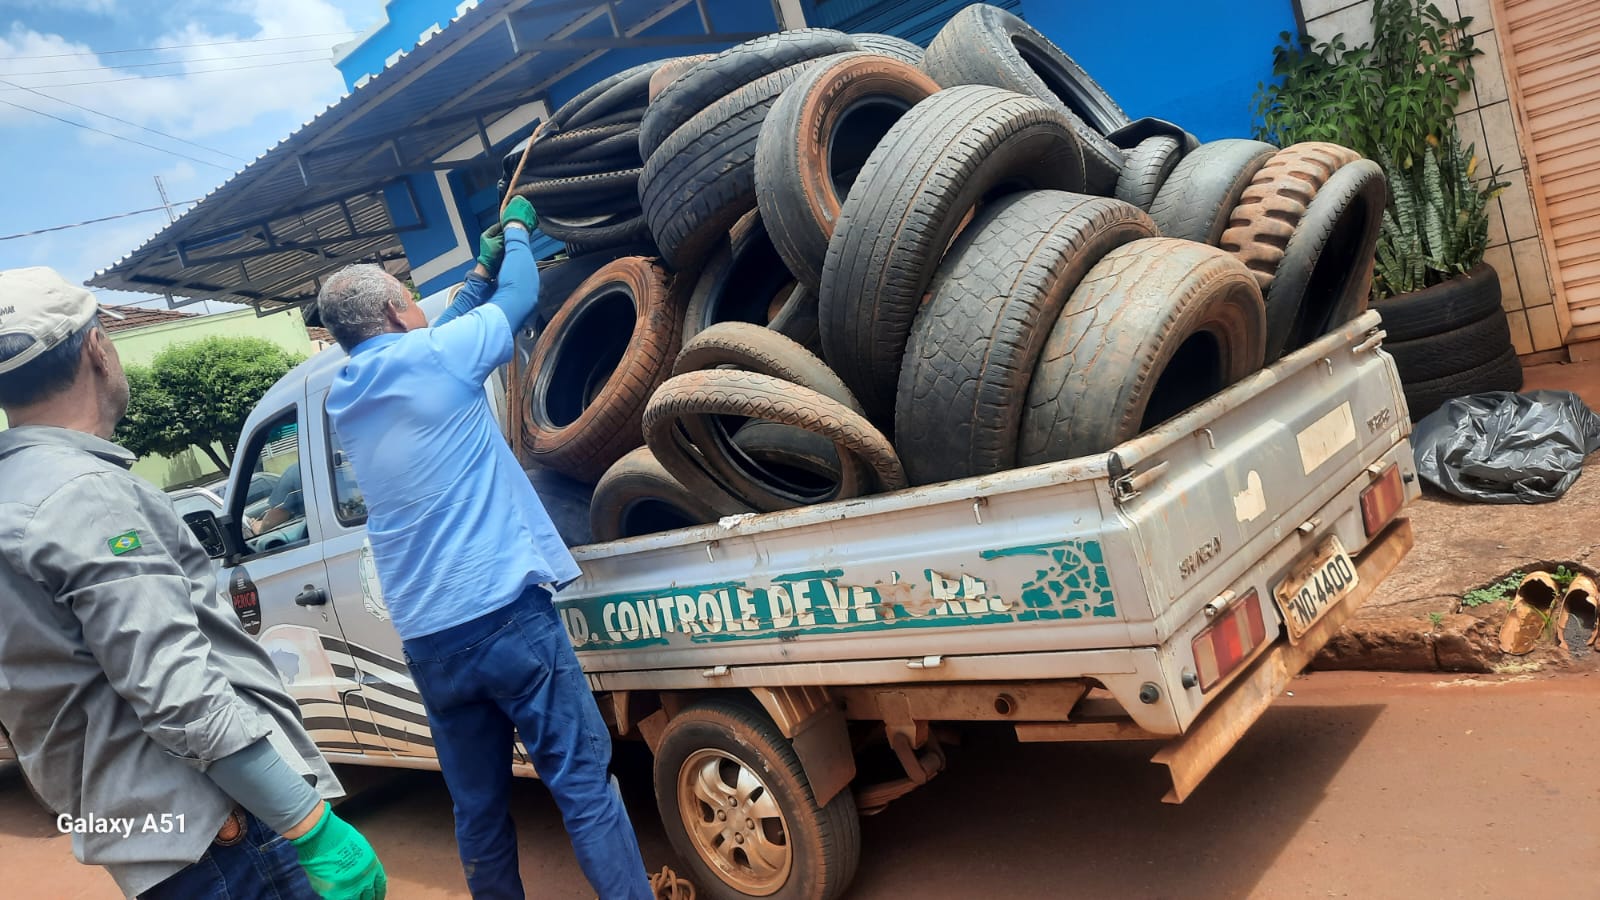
636 496
627 232
983 44
556 147
808 463
745 280
559 283
1146 168
1503 373
1201 193
816 139
671 69
562 118
751 348
889 45
582 191
1328 263
976 341
594 368
1156 326
1444 354
581 167
709 81
631 92
948 154
1443 307
702 180
750 395
825 840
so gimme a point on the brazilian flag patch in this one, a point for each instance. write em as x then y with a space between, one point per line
126 542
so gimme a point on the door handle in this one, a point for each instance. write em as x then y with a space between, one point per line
311 596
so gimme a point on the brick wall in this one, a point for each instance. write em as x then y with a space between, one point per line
1486 122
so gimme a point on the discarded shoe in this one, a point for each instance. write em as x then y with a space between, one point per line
1576 623
1532 612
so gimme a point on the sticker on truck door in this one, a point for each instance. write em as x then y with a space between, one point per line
246 600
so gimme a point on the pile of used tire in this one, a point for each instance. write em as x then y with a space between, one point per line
873 266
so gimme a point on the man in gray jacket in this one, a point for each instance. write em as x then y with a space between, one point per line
140 710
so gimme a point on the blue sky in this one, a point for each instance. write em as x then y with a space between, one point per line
241 76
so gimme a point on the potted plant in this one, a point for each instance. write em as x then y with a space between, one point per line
1394 100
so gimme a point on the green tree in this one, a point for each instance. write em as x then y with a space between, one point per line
198 394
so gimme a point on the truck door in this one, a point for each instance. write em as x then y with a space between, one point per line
389 695
279 585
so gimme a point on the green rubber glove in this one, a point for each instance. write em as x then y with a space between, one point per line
492 248
519 210
339 862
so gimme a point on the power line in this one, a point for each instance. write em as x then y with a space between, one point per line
175 74
136 212
107 115
119 137
291 37
170 62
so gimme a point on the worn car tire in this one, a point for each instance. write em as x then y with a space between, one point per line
616 231
1503 373
1146 168
672 69
702 85
734 736
1156 326
745 280
983 44
1326 270
804 463
1201 193
580 192
1268 214
976 341
751 348
558 283
889 45
1442 307
750 395
587 105
1449 352
815 141
702 180
596 365
636 496
948 154
593 142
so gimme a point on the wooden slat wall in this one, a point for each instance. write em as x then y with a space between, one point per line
1552 55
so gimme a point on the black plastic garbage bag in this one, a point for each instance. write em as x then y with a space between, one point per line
1500 447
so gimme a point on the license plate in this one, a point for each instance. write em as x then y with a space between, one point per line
1315 585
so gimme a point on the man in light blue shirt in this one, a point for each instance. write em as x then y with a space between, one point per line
464 550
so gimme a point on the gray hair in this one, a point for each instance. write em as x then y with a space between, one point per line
351 303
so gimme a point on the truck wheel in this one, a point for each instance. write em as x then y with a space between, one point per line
739 811
986 45
1201 193
948 154
1157 326
975 342
733 68
1147 168
637 496
814 142
595 366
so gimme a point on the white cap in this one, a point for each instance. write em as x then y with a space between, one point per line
38 303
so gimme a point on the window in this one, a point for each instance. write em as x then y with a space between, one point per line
348 502
271 511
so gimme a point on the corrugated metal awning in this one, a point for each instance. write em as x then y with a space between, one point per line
317 200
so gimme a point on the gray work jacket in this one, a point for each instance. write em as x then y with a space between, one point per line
122 677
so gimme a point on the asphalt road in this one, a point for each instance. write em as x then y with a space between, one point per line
1359 785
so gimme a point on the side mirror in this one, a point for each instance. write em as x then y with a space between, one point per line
212 532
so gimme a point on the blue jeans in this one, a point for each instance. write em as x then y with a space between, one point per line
515 668
263 866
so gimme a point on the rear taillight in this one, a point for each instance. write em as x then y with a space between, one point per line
1382 500
1229 640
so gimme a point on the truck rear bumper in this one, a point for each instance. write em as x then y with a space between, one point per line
1190 758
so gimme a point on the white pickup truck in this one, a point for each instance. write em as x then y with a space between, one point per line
1168 589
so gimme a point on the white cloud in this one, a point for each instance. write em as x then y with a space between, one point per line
224 87
93 7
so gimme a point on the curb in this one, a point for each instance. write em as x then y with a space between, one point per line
1460 642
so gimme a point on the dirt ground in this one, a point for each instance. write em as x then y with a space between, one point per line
1359 785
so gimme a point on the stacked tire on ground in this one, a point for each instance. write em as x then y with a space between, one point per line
860 266
1451 340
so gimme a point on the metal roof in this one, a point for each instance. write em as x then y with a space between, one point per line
315 202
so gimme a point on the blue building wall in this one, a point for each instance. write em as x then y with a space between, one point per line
407 20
